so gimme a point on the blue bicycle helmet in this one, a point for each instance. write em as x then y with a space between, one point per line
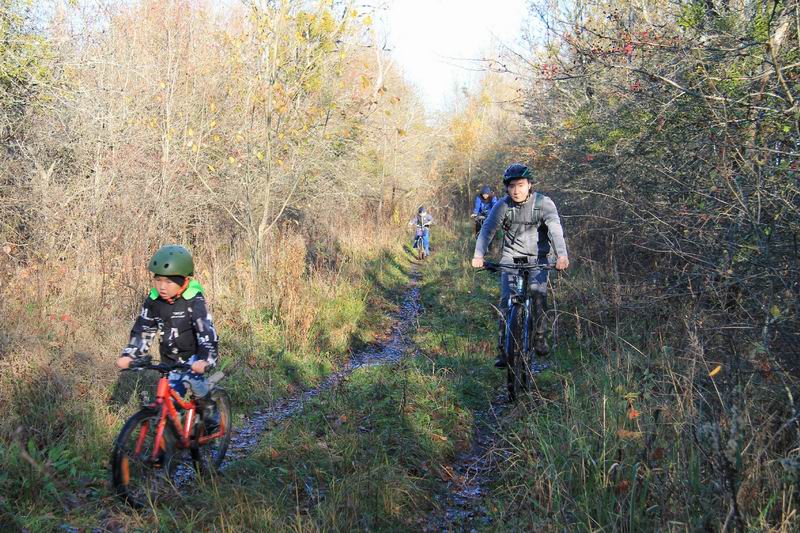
486 190
516 171
421 210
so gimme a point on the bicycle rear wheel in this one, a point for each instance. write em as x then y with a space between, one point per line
139 477
208 457
517 354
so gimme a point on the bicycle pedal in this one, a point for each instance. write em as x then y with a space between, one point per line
215 378
538 366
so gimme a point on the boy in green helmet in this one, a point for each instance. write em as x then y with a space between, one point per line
176 309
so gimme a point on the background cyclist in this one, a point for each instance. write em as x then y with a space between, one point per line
424 220
484 202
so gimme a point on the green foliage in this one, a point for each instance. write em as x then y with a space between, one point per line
338 320
692 15
767 12
23 55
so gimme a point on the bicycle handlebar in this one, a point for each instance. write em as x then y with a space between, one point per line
164 368
513 267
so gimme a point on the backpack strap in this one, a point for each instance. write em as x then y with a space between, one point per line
535 214
535 219
537 208
506 225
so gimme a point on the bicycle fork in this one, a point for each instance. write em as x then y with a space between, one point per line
518 301
167 412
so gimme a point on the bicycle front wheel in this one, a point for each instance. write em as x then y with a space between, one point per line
211 442
140 476
517 354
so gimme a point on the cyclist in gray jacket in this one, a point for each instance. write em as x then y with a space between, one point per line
530 224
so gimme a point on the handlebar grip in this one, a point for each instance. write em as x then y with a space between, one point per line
140 362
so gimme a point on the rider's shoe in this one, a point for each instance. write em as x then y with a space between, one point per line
501 361
538 366
540 345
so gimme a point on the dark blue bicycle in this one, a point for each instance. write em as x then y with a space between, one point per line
518 338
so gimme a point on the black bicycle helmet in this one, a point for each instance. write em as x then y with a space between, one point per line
516 171
486 190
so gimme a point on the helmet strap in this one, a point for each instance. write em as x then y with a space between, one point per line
180 291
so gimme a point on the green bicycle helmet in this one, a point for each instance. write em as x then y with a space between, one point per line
172 260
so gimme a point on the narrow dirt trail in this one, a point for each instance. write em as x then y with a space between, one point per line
461 507
390 350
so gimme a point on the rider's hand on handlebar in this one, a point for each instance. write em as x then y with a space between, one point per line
124 362
472 215
199 367
477 262
562 263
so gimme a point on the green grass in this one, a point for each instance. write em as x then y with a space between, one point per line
372 454
359 458
609 441
55 469
262 366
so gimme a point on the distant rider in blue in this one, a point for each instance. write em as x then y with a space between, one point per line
484 202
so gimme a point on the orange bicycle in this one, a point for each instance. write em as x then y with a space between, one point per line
150 445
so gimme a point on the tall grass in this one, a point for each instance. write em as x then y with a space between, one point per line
635 428
64 324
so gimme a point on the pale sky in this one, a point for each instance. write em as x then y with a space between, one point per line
431 38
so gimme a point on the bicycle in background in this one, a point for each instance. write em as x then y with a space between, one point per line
478 222
419 241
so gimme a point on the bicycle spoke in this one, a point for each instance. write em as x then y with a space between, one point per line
212 441
140 476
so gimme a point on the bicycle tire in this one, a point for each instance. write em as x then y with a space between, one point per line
137 479
207 458
517 356
419 245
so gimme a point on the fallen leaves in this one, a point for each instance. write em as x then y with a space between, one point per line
627 434
658 454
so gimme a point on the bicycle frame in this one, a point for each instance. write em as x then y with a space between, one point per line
419 236
519 299
519 296
166 398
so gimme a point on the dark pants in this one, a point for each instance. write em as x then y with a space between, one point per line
537 285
